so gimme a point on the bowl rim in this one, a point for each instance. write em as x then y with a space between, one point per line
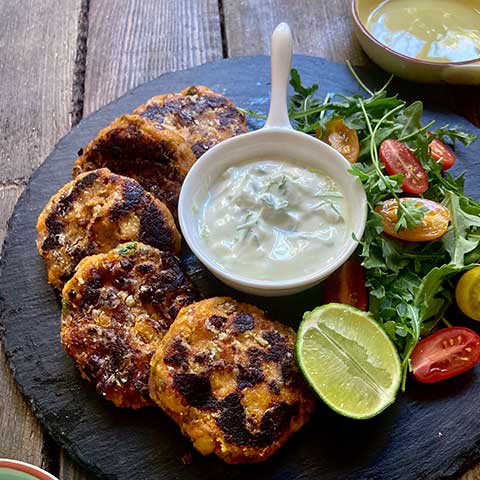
367 33
349 244
33 470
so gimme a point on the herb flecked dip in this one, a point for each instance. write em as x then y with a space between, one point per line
273 220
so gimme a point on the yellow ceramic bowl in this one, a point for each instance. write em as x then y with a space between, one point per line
410 68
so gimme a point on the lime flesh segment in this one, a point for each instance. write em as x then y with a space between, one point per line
348 359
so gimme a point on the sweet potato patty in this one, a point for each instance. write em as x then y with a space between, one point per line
116 309
93 214
132 146
201 116
227 375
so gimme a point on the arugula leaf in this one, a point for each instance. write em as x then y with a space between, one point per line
431 295
410 216
454 134
410 118
457 241
296 83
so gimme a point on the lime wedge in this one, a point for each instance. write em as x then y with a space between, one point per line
348 359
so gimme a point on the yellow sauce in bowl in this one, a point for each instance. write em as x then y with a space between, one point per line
432 30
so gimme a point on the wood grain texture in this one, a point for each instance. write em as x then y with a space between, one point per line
21 436
69 470
38 43
131 42
9 194
320 28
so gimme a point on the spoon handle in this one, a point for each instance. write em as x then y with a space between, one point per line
281 63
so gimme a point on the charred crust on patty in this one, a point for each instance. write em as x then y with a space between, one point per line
54 221
177 354
227 375
153 230
201 116
217 321
232 420
91 290
94 213
278 348
196 390
274 387
158 159
249 376
133 194
243 322
255 356
110 331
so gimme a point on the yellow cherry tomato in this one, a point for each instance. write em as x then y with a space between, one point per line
343 139
434 224
467 293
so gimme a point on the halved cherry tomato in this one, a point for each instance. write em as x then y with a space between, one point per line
467 293
397 158
347 285
343 139
445 354
442 153
434 224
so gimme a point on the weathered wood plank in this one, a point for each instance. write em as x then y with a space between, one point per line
21 435
38 44
131 42
70 471
473 474
9 194
322 29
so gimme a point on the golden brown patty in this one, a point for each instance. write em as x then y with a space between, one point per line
116 309
201 116
132 146
227 375
93 214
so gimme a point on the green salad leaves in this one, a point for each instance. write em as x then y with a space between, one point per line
410 283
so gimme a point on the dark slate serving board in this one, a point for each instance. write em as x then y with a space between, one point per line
432 432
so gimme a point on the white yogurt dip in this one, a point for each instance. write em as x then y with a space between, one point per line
272 220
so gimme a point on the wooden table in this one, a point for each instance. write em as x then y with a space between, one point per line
61 60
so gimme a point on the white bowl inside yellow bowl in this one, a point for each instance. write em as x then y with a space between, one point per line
428 41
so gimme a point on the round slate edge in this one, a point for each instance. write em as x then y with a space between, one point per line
90 124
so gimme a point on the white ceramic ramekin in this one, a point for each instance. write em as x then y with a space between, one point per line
276 140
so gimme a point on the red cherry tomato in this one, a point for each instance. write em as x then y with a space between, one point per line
397 158
442 153
445 354
347 285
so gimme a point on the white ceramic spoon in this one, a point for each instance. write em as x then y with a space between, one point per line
277 139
